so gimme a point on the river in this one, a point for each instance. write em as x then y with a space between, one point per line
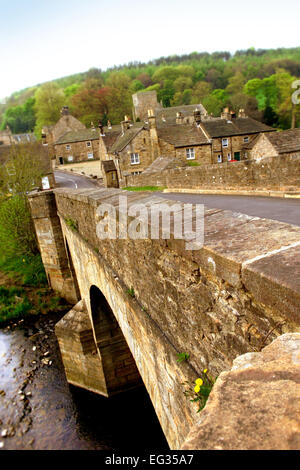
40 411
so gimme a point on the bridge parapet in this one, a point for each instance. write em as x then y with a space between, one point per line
236 294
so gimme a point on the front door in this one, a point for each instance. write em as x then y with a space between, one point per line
237 156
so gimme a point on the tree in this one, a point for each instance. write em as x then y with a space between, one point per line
91 104
201 90
49 100
20 119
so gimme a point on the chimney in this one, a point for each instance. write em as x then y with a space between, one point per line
92 126
197 116
44 137
125 124
242 113
101 129
153 135
179 118
109 124
65 111
226 114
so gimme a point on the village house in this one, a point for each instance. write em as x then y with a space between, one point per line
77 146
231 136
180 136
275 144
51 134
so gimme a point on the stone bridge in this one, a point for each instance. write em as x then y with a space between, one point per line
139 303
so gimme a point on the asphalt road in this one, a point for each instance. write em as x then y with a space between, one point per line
73 181
283 210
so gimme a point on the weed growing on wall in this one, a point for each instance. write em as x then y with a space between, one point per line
198 391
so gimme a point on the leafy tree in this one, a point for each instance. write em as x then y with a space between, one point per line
49 100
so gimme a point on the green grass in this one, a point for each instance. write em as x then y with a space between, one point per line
73 224
13 304
193 163
144 188
28 270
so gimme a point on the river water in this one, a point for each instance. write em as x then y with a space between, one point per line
39 410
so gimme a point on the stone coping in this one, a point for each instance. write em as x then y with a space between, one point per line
260 255
255 405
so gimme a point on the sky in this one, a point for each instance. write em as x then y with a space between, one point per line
43 40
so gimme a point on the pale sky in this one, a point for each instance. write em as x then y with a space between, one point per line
46 39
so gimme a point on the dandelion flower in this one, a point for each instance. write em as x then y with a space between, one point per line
197 389
205 371
199 382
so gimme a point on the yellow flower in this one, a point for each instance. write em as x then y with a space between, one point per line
23 260
205 371
199 382
197 389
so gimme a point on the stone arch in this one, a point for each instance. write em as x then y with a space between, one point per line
118 364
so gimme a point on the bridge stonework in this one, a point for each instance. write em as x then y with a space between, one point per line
235 295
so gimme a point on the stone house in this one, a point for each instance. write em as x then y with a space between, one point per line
77 146
231 137
275 144
51 134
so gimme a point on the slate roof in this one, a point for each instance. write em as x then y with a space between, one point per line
183 135
126 138
170 114
237 126
23 138
286 141
78 136
108 165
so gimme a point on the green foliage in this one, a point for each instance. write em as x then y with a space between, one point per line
181 357
28 270
131 292
49 99
12 305
17 235
255 79
193 163
23 169
73 224
199 391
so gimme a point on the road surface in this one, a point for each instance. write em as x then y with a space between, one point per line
281 209
74 181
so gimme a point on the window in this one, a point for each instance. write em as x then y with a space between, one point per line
70 158
224 142
220 159
246 155
246 139
88 144
190 154
90 156
68 147
134 159
136 172
229 157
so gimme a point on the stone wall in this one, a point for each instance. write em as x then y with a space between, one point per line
255 405
277 174
78 150
233 296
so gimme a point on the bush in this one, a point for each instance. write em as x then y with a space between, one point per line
17 235
12 306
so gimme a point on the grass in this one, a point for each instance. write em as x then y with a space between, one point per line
193 163
26 270
144 188
73 224
13 304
